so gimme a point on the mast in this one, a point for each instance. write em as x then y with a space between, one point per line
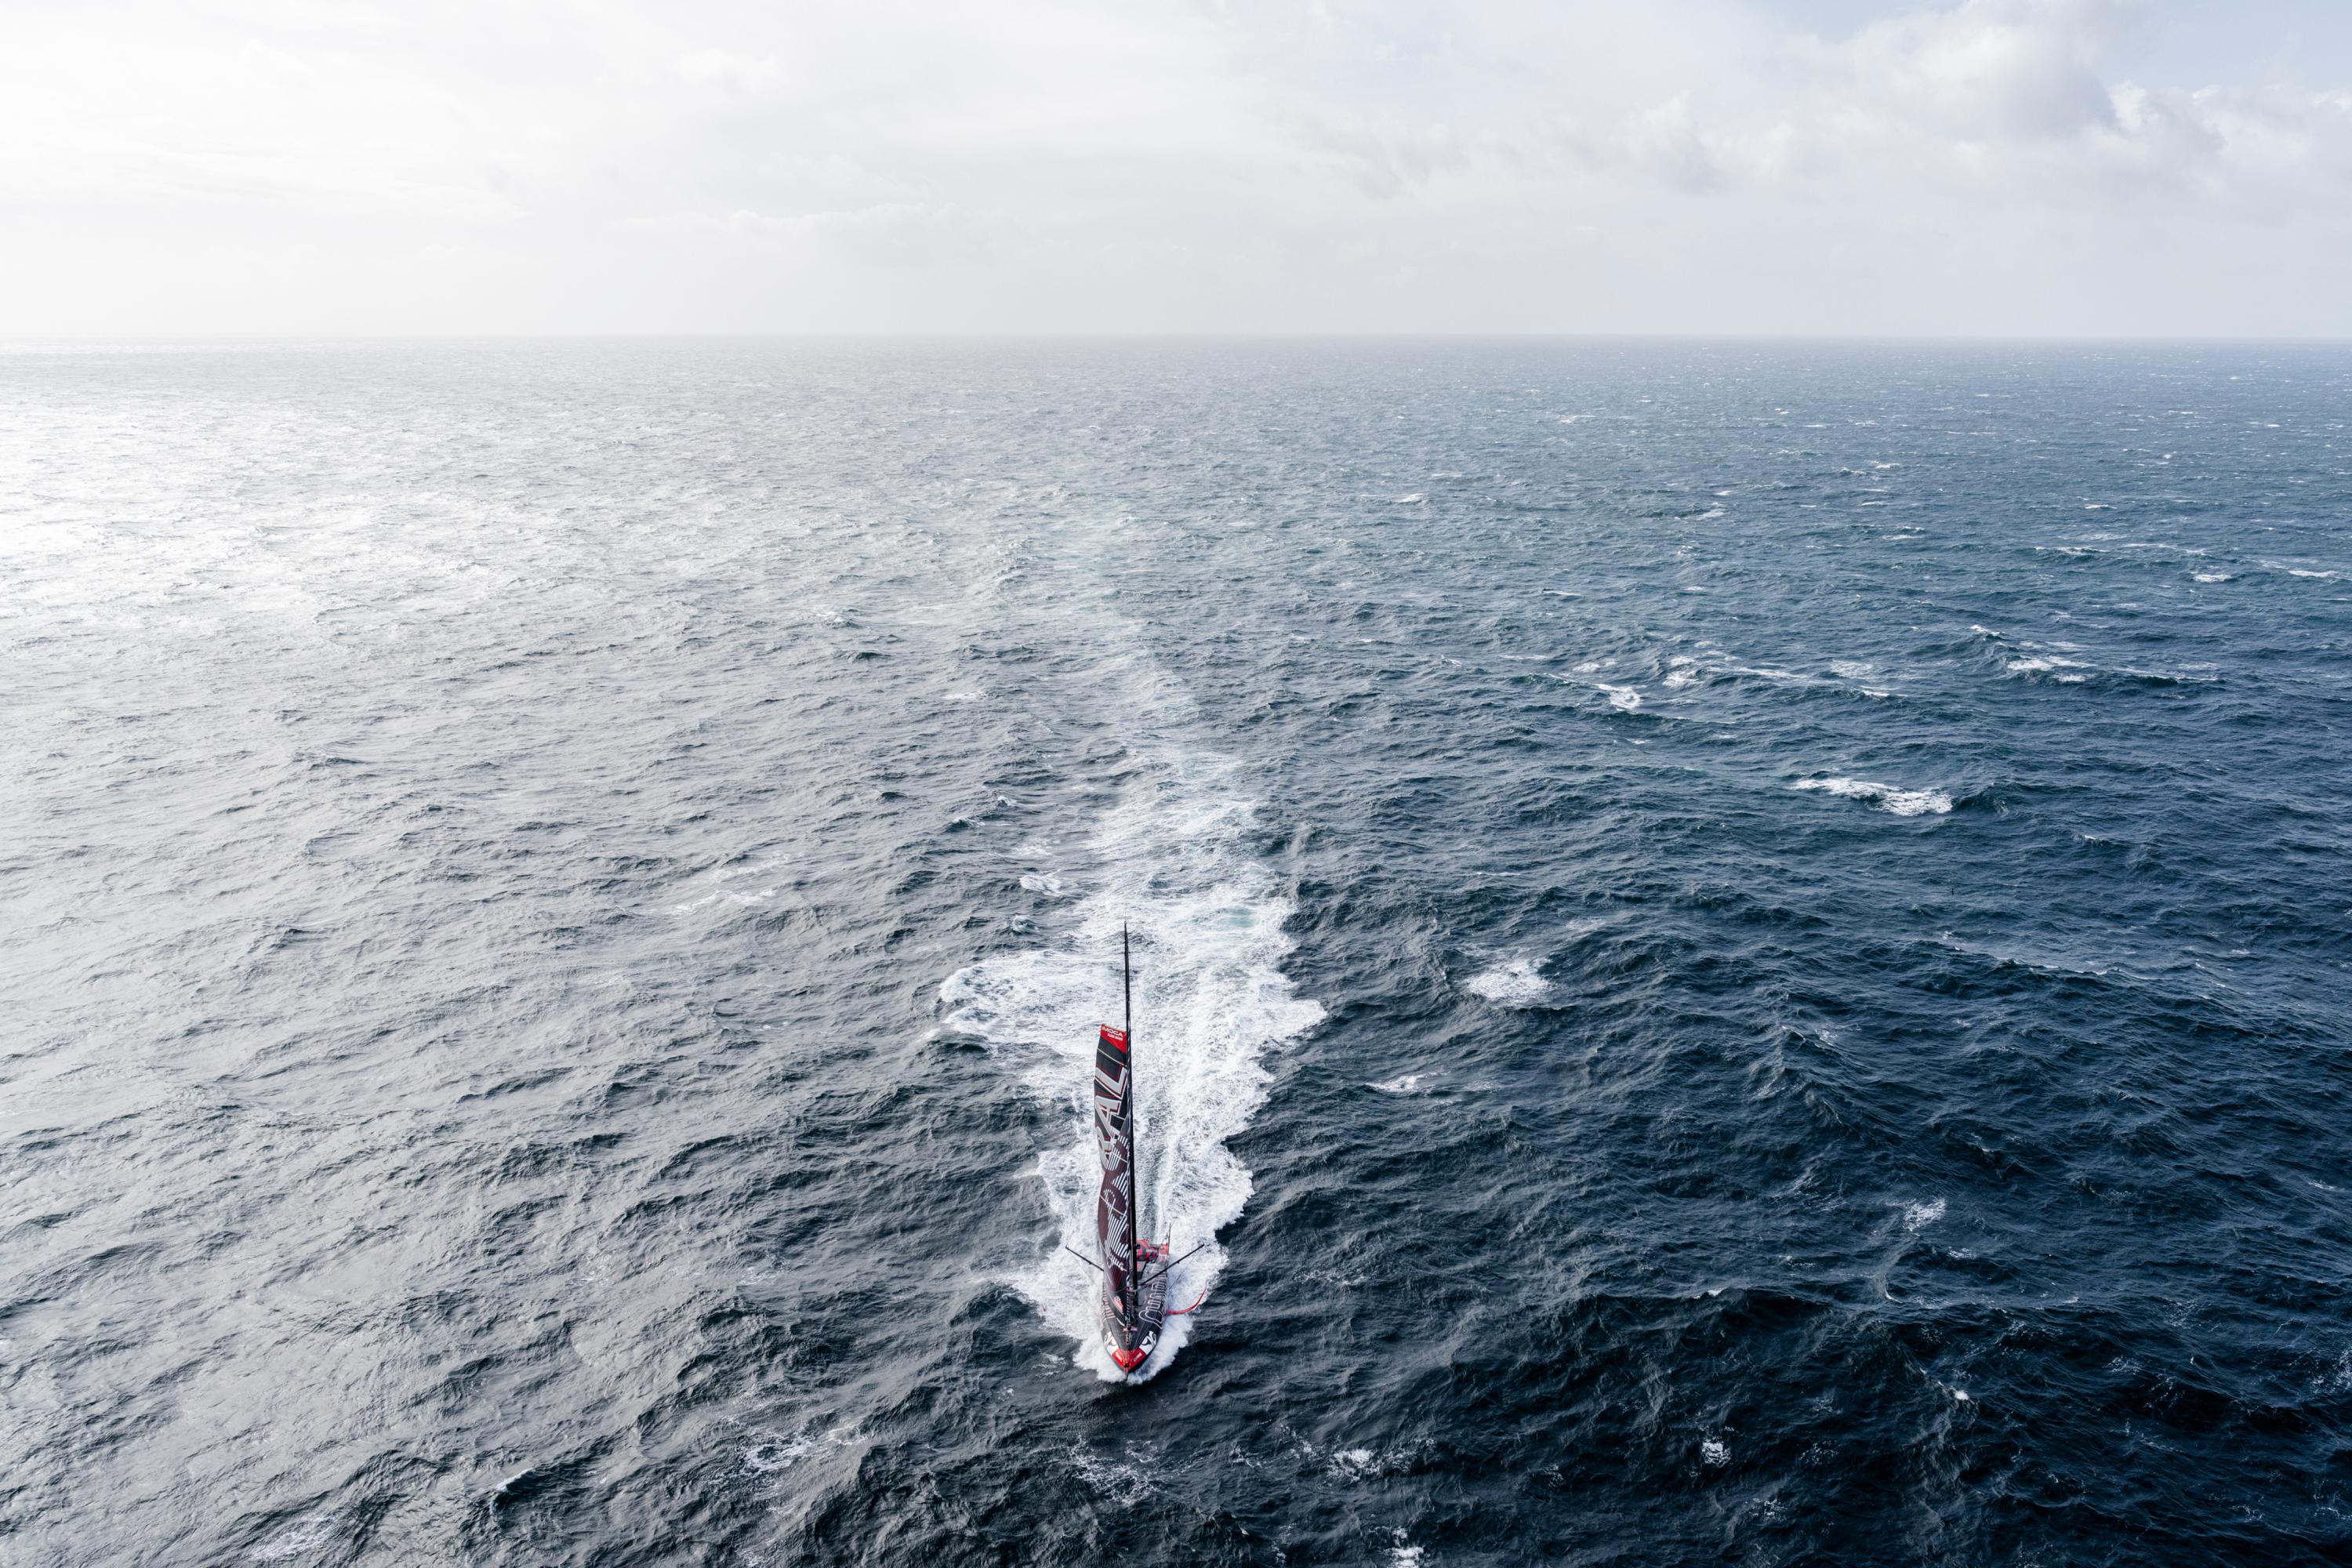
1135 1188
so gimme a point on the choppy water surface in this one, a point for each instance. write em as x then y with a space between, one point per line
1744 952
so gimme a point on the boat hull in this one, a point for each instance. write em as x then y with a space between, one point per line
1131 1332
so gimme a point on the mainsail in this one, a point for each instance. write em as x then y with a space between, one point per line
1115 1205
1114 1132
1134 1302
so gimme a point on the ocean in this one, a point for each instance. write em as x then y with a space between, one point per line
1744 951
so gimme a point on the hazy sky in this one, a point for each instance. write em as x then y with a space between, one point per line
2012 166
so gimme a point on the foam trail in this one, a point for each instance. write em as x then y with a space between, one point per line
1210 1001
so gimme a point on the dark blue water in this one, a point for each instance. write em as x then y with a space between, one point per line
1744 952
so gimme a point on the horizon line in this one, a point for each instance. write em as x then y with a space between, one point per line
111 338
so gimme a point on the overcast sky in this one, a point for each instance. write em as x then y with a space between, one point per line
1842 166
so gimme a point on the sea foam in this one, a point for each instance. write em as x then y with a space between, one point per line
1512 985
1886 797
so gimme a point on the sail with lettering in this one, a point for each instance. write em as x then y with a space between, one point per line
1134 1275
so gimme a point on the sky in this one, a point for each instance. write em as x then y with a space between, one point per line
1961 168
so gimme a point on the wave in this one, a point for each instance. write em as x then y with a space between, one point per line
1173 864
1886 797
2042 665
1512 985
307 1535
2065 671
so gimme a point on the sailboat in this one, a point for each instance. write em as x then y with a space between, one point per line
1134 1271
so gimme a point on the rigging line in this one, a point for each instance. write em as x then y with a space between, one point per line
1168 1266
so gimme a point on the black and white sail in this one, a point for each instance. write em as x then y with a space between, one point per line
1135 1291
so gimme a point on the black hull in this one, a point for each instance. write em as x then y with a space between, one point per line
1131 1337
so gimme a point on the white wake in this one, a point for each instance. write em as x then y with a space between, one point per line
1172 861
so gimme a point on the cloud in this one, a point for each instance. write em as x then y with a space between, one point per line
1483 165
1384 162
1996 104
1991 70
910 235
1662 142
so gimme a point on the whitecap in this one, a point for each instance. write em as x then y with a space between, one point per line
1624 698
1715 1452
770 1454
308 1533
1886 797
2049 664
1515 983
2212 576
1918 1217
1403 1083
1031 881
